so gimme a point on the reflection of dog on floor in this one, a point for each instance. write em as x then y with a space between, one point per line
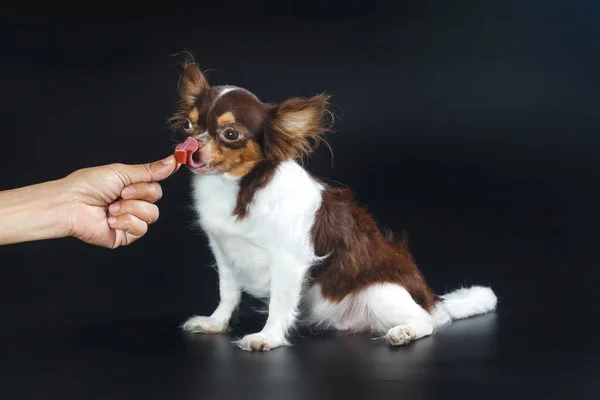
278 233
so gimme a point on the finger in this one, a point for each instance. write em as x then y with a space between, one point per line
143 210
151 192
148 172
129 238
129 224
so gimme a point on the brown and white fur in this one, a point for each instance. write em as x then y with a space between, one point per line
280 234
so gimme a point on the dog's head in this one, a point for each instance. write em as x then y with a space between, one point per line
229 130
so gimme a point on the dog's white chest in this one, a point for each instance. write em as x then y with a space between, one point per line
274 235
238 241
248 262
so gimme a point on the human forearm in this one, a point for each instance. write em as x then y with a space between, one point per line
79 205
34 213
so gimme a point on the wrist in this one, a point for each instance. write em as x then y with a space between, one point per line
35 212
57 204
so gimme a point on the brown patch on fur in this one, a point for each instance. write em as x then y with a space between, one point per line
360 254
226 118
295 124
256 179
192 83
249 112
193 116
235 161
195 96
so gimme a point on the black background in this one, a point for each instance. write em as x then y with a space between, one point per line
473 125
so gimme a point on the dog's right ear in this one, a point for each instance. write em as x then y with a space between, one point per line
192 83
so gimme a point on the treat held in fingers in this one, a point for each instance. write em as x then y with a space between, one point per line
181 156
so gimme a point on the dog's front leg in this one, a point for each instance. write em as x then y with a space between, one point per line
287 278
229 292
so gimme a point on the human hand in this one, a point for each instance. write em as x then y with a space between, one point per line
113 205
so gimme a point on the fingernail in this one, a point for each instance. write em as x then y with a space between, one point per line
112 220
127 192
169 160
113 208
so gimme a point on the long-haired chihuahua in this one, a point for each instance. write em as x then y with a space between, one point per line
280 234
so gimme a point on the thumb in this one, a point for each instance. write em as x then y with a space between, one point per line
149 172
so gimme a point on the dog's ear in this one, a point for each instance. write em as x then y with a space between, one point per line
293 125
192 83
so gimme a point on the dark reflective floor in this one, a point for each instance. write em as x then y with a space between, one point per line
491 356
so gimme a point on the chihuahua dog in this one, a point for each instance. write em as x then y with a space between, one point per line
280 234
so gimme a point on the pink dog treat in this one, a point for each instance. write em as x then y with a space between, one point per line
184 151
181 156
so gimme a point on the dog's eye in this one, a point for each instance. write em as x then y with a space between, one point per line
188 127
231 135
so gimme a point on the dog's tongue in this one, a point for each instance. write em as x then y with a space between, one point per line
190 145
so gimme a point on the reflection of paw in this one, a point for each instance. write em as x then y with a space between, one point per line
204 325
341 327
261 342
399 335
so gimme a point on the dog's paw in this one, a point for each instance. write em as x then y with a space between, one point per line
399 335
204 325
261 342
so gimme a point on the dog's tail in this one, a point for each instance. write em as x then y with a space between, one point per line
463 303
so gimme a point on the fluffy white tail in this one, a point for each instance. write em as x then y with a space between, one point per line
464 303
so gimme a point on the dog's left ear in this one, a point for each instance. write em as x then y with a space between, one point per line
294 124
192 84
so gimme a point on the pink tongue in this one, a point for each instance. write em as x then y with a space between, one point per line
191 146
